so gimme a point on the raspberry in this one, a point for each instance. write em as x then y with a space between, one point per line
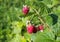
31 29
25 9
34 30
40 27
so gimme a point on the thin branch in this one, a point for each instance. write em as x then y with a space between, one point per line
55 5
43 22
39 16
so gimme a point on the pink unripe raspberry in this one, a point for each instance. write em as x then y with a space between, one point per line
25 9
40 27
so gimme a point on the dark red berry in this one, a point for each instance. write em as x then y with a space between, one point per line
34 30
25 10
40 27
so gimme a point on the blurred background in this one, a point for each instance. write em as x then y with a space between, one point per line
13 21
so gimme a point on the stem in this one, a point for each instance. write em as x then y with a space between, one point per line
43 22
55 5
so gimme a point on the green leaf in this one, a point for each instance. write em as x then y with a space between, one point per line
17 26
27 36
48 3
48 20
46 36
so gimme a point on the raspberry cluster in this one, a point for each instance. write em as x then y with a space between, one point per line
31 28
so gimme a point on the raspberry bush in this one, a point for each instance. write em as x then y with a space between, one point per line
29 20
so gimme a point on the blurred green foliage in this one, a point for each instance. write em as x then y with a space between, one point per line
13 22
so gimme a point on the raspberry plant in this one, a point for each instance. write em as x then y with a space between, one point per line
14 17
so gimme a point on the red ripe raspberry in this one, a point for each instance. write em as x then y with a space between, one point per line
25 9
41 27
31 29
